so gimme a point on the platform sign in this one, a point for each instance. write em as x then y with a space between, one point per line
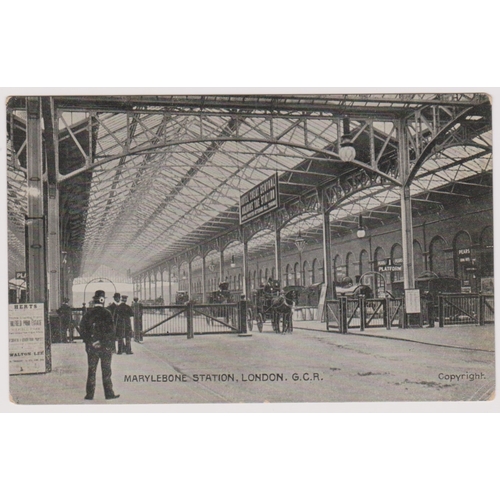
390 265
26 338
412 301
261 199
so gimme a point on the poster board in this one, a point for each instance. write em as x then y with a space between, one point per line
321 304
412 300
26 339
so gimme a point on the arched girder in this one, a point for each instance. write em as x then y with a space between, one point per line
347 186
211 246
305 204
332 155
262 223
227 238
441 137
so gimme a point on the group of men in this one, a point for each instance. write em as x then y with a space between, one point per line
101 327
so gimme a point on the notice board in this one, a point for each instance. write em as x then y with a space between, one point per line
260 200
26 338
412 300
321 305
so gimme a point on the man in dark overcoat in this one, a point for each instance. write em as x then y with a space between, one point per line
123 324
112 309
65 314
116 302
97 331
137 310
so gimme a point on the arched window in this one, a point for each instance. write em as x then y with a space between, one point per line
462 255
306 274
254 280
437 259
349 267
418 259
313 271
273 273
260 277
287 275
296 274
266 274
364 264
240 285
397 260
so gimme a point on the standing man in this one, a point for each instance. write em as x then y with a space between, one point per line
137 310
123 323
116 302
65 313
112 309
97 331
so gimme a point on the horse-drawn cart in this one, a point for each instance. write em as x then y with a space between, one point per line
268 304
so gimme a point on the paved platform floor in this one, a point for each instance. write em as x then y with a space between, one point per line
309 365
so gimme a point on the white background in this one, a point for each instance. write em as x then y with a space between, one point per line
417 450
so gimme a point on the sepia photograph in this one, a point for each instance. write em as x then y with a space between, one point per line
243 248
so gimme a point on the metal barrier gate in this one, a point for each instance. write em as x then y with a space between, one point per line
164 320
345 313
189 318
194 319
465 309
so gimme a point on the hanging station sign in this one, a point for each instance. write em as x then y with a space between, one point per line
26 338
387 265
261 199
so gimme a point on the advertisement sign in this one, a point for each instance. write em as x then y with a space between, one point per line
464 255
261 199
26 338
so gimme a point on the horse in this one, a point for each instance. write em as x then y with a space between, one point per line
282 311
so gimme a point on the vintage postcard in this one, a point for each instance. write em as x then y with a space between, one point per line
257 248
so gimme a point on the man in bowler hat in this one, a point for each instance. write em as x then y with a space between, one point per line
98 333
116 302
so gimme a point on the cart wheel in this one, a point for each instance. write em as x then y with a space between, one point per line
249 320
260 322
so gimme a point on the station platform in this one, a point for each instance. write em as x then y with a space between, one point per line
469 337
309 365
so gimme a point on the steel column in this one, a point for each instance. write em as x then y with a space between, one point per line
221 258
203 281
54 250
406 212
35 231
169 285
189 281
246 284
56 278
327 250
277 249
